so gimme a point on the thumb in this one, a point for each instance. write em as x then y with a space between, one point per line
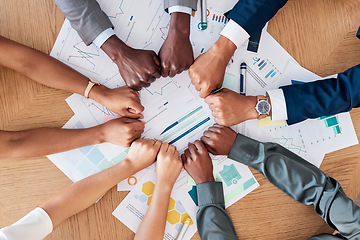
134 106
129 113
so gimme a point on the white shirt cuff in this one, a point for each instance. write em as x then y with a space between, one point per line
180 9
102 37
235 33
278 105
35 225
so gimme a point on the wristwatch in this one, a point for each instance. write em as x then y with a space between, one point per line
263 107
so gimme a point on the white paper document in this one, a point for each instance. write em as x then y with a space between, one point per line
133 208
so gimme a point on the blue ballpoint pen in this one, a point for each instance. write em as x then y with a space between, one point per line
243 78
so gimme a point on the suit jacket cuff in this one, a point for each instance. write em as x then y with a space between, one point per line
235 33
180 9
105 35
184 3
243 149
278 105
210 193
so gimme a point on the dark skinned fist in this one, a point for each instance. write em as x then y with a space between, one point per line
219 139
176 53
197 163
137 67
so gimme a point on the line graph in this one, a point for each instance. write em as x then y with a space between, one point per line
87 55
121 12
289 144
164 31
102 109
158 92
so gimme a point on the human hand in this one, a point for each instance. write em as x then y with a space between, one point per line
137 67
123 100
143 153
121 131
168 165
219 139
207 72
197 163
230 108
176 53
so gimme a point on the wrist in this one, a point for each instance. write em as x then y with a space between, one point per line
98 92
251 102
204 179
180 24
164 184
224 49
98 134
114 47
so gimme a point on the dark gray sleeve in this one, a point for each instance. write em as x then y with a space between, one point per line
184 3
86 17
302 181
212 220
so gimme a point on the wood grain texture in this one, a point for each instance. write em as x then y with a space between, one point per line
319 34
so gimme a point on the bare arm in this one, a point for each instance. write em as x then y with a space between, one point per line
44 141
86 192
168 168
53 73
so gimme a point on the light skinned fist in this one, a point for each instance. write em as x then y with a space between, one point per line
121 131
230 108
197 163
219 139
207 72
143 153
123 101
168 165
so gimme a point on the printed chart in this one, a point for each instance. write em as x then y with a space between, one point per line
133 208
237 181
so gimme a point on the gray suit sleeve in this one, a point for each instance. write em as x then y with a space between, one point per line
302 181
184 3
86 17
212 221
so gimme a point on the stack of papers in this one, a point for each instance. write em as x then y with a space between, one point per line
175 113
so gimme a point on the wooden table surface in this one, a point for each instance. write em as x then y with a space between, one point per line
319 34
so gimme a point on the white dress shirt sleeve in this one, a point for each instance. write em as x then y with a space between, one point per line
278 105
34 226
99 40
235 33
180 9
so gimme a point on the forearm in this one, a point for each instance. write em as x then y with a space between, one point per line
44 141
41 67
323 97
300 180
153 225
212 220
80 195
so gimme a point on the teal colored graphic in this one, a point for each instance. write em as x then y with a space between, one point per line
230 175
193 195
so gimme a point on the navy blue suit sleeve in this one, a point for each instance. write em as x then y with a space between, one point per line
323 97
252 15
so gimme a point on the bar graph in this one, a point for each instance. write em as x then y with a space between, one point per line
219 18
331 122
186 125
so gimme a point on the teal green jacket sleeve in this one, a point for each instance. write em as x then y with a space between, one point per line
303 182
212 221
